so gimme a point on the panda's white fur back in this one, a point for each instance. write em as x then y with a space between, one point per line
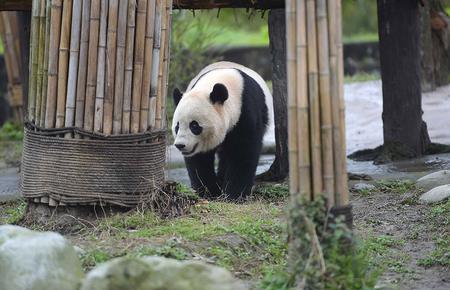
254 75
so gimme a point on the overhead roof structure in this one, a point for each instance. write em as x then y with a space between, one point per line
24 5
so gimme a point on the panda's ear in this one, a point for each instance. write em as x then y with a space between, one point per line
176 96
219 94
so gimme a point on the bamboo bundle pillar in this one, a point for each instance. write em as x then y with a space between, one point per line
316 102
146 74
139 54
82 64
155 66
111 47
120 66
95 66
91 81
291 55
52 89
325 100
128 81
100 92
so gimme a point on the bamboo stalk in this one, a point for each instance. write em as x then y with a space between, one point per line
169 5
325 100
33 60
302 104
314 102
160 67
291 16
13 20
55 30
10 48
159 99
131 26
334 89
138 64
120 66
100 92
40 59
343 198
6 44
154 89
111 48
146 75
73 63
82 65
91 80
63 63
166 61
46 63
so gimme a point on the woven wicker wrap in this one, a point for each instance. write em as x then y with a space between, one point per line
120 170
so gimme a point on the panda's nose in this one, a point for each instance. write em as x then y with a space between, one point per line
180 146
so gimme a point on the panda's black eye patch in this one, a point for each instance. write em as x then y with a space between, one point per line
196 129
177 127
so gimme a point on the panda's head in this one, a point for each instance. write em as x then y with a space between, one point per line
198 123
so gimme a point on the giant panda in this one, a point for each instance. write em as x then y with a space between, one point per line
224 111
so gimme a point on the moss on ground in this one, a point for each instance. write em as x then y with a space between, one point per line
439 218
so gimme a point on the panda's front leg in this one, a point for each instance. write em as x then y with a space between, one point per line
238 175
203 177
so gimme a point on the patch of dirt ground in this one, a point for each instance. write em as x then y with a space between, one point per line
407 225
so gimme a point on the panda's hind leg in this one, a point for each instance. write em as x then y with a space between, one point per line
202 175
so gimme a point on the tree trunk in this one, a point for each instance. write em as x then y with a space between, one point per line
428 80
404 131
24 20
435 25
277 35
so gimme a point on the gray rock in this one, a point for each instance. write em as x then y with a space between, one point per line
37 261
363 186
154 273
437 194
434 179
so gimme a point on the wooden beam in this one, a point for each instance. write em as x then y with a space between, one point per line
210 4
23 5
15 5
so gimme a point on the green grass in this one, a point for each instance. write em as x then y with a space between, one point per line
384 252
257 226
11 132
271 192
12 212
439 218
361 77
361 37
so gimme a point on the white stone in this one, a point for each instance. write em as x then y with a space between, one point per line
434 179
363 186
37 261
154 273
437 194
